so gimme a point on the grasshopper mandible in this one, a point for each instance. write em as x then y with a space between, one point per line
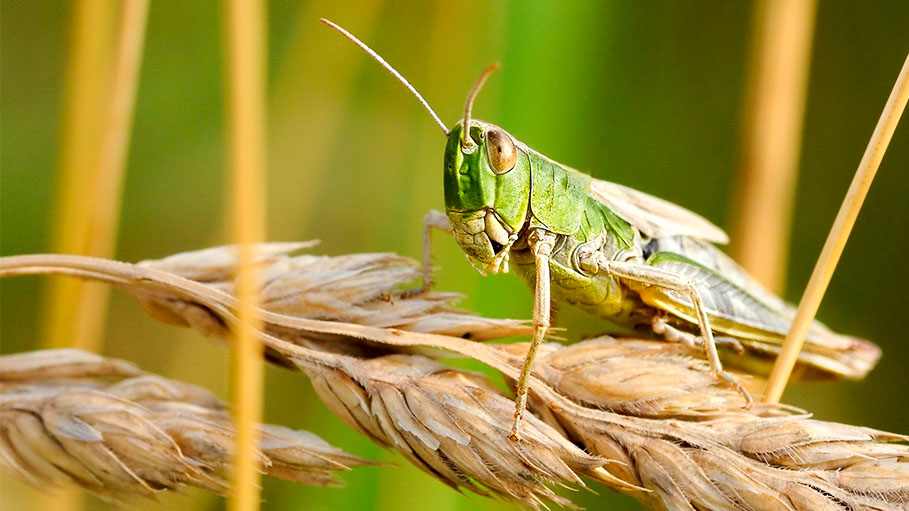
615 252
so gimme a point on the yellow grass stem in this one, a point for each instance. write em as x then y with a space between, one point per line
117 127
97 127
96 131
839 233
780 59
246 70
86 85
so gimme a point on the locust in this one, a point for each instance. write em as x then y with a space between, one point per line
636 260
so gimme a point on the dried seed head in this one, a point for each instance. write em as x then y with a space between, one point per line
678 440
365 289
640 378
65 418
41 366
453 425
763 459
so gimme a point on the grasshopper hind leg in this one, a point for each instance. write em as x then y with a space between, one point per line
650 276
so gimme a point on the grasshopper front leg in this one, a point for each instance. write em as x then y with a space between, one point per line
433 220
651 276
541 243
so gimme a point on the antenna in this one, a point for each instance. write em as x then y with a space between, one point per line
375 56
468 106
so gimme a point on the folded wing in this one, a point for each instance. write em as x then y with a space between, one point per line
653 216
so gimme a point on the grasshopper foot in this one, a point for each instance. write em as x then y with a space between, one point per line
520 404
416 292
732 343
734 382
515 435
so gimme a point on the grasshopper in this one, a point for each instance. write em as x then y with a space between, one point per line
626 256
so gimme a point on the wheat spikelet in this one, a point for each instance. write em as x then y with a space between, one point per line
67 416
451 424
367 289
706 452
652 420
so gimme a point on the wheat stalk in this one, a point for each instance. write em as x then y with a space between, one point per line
838 235
68 416
652 420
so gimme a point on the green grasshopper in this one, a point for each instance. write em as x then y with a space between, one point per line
615 252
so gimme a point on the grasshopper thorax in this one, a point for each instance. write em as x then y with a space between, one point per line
487 191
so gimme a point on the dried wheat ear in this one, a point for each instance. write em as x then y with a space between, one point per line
67 416
642 417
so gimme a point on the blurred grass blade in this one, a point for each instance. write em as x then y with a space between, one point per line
839 233
97 129
780 60
245 26
66 302
117 128
96 133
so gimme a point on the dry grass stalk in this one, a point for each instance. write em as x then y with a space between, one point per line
838 235
778 76
74 310
68 416
245 28
99 106
651 418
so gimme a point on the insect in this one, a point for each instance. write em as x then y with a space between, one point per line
615 252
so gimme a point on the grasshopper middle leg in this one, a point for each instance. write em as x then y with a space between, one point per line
661 326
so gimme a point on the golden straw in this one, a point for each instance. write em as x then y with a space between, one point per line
97 128
246 128
86 86
117 128
839 233
780 58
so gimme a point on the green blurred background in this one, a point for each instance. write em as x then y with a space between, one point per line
648 94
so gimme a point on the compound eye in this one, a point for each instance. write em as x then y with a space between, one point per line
500 151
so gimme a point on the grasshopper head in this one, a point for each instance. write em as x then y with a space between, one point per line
487 176
487 191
